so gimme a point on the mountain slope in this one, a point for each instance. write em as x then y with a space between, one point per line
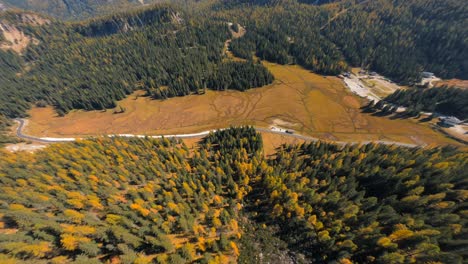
75 9
172 51
402 38
399 39
90 65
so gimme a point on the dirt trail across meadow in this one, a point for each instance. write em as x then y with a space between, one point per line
312 105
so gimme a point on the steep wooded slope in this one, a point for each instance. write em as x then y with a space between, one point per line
396 38
92 64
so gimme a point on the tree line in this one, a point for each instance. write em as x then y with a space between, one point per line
443 100
399 39
92 65
287 35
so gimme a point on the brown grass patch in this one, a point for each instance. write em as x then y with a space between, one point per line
452 82
351 101
310 104
273 141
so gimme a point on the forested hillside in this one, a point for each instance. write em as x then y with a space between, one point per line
90 65
178 49
144 200
443 100
290 34
396 38
402 38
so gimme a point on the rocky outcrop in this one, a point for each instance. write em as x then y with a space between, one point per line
12 36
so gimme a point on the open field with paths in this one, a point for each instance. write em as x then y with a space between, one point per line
310 104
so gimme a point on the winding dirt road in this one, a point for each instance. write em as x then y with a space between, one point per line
22 124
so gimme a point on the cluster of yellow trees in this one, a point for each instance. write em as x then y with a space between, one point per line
158 201
136 201
370 203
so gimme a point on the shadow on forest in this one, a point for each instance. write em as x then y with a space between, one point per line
391 114
426 119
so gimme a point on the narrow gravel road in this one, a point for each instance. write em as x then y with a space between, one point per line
22 123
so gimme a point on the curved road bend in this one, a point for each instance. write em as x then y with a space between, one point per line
22 123
20 134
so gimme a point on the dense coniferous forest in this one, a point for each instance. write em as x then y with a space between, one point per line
402 38
396 38
145 200
5 124
174 50
370 203
239 76
289 35
443 100
132 200
12 99
141 200
137 200
91 65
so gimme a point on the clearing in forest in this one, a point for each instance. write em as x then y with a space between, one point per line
308 103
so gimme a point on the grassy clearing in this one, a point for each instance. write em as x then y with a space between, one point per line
311 104
453 82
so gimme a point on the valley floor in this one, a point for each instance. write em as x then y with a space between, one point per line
310 104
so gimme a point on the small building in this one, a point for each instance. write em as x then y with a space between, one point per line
427 74
423 84
372 73
450 121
